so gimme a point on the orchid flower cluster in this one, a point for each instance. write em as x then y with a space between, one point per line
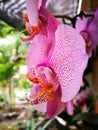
57 57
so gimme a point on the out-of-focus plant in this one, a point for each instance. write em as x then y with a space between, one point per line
12 56
22 83
31 124
89 119
5 29
4 126
28 125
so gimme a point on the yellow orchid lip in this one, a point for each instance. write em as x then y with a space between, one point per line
31 29
34 80
43 96
25 17
45 93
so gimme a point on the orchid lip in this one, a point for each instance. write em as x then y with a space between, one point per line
27 38
45 92
31 29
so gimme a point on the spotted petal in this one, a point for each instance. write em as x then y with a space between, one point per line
69 59
33 93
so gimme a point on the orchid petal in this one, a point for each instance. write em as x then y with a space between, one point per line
46 74
52 24
69 59
32 11
27 38
87 39
93 30
37 51
55 106
41 107
70 107
41 3
44 3
33 93
90 26
81 26
81 23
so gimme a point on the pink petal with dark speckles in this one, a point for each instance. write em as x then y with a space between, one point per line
69 59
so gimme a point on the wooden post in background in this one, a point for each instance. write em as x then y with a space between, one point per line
89 6
95 82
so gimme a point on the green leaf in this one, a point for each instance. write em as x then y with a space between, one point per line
47 124
5 29
7 70
31 124
87 117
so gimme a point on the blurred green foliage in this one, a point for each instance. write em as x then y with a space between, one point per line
5 29
12 56
1 98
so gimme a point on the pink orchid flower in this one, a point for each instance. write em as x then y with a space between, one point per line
78 101
56 60
81 97
87 25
